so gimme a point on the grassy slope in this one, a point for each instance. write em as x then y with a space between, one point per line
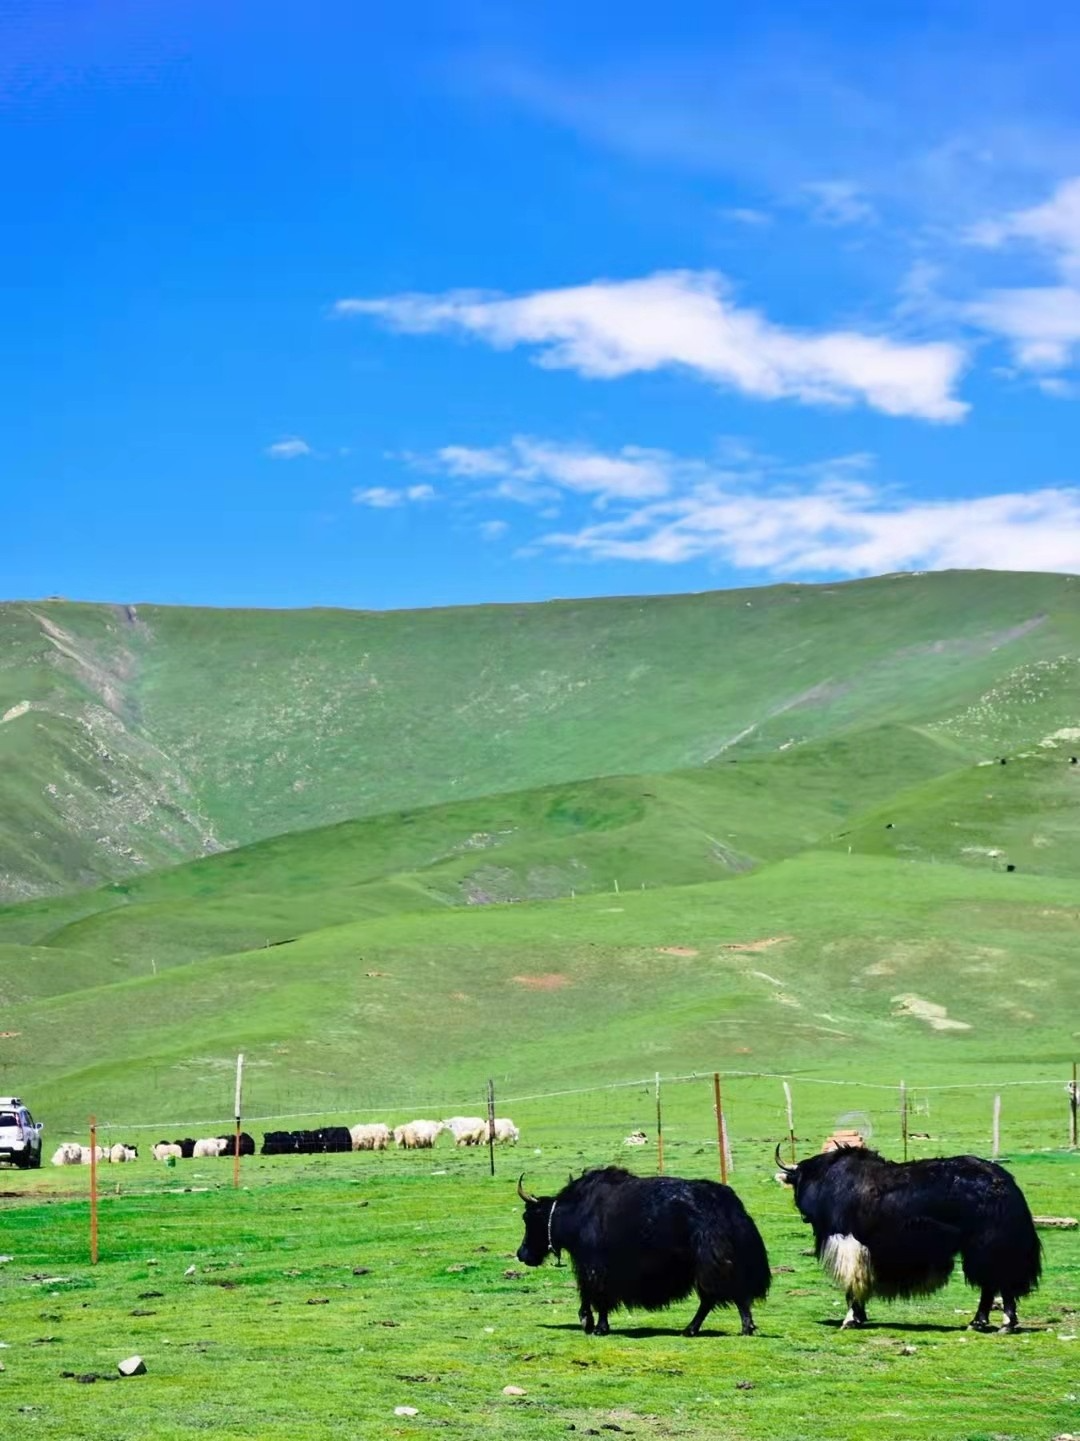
639 830
167 732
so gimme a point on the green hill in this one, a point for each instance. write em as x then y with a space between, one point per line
796 794
131 737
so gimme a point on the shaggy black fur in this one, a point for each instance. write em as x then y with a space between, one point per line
647 1241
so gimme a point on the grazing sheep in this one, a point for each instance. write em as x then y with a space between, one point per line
636 1138
164 1149
211 1146
418 1135
69 1154
99 1154
467 1130
506 1133
123 1153
375 1137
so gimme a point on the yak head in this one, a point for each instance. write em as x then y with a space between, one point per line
811 1181
534 1248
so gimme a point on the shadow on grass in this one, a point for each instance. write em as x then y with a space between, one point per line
961 1329
641 1333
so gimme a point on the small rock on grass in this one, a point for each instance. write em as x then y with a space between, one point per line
514 1391
133 1366
406 1411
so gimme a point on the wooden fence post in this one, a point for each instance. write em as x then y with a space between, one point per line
491 1124
996 1151
1074 1102
721 1129
93 1192
903 1116
659 1131
236 1142
790 1121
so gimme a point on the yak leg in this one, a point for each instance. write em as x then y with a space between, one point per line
748 1327
856 1315
585 1314
699 1317
1008 1305
981 1320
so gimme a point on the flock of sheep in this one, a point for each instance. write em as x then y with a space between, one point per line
413 1136
422 1135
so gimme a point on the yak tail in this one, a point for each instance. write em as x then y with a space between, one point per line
1005 1251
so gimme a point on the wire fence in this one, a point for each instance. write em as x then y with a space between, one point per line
674 1119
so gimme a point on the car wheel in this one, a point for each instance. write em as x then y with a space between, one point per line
35 1160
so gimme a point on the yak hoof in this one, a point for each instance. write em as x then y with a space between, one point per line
749 1329
691 1330
851 1323
1010 1328
603 1329
980 1323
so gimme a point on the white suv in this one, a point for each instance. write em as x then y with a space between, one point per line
20 1137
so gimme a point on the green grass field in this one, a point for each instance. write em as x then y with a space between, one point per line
276 1335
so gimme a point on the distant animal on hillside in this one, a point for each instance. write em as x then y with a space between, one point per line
418 1135
894 1228
209 1146
120 1153
69 1154
187 1147
162 1151
636 1138
506 1133
96 1153
467 1130
647 1241
373 1136
247 1144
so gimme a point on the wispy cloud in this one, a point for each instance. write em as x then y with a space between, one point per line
838 202
494 529
381 497
631 473
689 320
746 215
289 448
754 513
1042 322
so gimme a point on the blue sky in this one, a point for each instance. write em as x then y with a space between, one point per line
323 305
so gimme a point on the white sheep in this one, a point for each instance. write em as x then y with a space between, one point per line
69 1154
467 1130
505 1132
211 1146
373 1137
164 1149
418 1135
99 1154
123 1153
636 1138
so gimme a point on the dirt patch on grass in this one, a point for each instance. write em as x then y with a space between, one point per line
934 1015
765 944
678 951
552 981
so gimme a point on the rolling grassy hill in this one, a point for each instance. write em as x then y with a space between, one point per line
135 736
797 793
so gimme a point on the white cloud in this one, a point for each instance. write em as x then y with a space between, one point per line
1053 226
290 448
1041 322
744 215
527 469
837 531
839 202
381 497
494 529
688 320
752 512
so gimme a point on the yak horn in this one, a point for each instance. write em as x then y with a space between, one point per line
523 1193
780 1163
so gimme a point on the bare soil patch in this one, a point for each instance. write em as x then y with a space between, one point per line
763 945
678 951
552 981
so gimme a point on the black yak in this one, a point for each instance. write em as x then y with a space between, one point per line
648 1241
890 1229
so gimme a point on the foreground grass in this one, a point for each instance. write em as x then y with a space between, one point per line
330 1290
